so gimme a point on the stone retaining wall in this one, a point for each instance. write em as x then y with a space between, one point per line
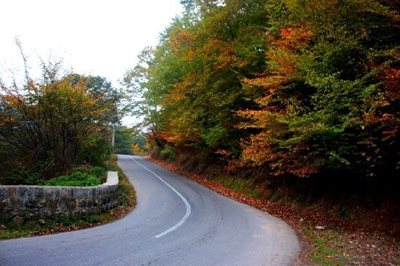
27 202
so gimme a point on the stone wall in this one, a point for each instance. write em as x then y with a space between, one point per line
47 201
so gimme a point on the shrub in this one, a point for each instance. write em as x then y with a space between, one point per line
74 179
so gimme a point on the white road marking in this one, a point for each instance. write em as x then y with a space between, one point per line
188 208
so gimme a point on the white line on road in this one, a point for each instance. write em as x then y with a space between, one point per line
188 208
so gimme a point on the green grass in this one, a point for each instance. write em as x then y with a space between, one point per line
323 254
241 185
63 223
84 175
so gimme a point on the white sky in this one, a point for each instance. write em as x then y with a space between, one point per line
97 37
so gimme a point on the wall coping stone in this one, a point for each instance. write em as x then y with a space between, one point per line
112 180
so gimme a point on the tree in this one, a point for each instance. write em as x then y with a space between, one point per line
293 87
193 78
55 124
123 140
325 89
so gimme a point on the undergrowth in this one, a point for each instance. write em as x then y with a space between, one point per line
74 179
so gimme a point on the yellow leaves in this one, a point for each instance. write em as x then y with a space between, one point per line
11 100
182 43
179 90
174 136
256 118
270 83
136 149
190 84
259 149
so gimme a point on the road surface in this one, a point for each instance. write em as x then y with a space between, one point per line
176 222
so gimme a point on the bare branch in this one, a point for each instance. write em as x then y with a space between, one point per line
24 58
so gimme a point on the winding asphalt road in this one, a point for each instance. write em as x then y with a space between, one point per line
176 222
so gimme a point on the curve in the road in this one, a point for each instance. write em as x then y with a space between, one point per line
188 208
204 228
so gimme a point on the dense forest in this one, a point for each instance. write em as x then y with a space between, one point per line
281 87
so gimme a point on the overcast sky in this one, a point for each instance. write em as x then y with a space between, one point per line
97 37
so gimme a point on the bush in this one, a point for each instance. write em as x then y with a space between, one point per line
18 177
168 153
49 127
76 179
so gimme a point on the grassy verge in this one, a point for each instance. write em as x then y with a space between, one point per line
240 185
127 201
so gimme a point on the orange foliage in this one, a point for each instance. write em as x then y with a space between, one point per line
269 83
180 38
219 53
174 137
292 38
261 151
283 67
180 90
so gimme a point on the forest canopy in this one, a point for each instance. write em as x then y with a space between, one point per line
293 87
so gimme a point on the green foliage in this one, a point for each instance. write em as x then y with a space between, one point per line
19 176
167 152
107 96
191 83
94 149
129 141
324 254
295 87
77 179
123 141
324 79
97 171
241 185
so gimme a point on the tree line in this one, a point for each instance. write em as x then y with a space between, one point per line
293 87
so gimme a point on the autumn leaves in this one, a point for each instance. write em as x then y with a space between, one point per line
286 85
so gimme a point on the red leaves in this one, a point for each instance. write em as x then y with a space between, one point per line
391 77
383 114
